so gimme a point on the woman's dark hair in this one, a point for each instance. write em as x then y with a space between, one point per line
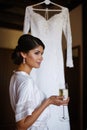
25 43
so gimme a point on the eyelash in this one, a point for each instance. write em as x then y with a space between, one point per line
38 53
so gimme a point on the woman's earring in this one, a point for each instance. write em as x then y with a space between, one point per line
23 60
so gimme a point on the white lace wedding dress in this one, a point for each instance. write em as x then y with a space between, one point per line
50 76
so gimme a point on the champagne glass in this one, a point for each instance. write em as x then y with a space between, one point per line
64 92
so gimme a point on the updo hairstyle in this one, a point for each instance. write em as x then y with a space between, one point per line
25 43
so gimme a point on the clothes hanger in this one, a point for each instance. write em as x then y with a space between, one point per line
47 2
50 2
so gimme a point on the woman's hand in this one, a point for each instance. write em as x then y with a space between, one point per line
58 100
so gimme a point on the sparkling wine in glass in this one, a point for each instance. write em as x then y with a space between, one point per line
63 92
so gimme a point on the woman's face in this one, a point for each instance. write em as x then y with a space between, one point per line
34 57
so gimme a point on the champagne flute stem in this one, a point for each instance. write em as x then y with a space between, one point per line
63 113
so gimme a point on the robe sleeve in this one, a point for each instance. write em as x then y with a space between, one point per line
26 26
68 36
24 101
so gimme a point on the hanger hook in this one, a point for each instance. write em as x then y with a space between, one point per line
47 2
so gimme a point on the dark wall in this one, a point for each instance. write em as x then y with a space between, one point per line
73 78
6 69
85 64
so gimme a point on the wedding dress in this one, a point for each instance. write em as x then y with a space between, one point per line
50 75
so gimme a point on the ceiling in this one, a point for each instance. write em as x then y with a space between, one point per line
12 11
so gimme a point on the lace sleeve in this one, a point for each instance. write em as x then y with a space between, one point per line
68 36
26 26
